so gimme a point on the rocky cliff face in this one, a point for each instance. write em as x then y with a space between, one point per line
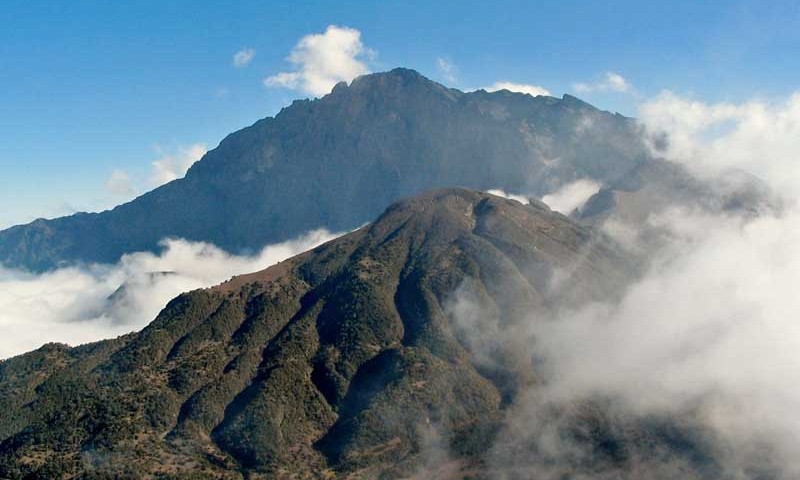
387 353
338 161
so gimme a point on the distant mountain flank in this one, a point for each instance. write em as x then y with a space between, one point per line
338 161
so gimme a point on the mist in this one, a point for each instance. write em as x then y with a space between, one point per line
77 305
708 337
565 199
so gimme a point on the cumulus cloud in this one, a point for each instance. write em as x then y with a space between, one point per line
119 184
447 70
502 193
532 90
174 164
571 196
78 305
321 60
610 82
243 57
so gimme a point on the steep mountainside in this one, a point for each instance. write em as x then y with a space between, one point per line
338 161
354 360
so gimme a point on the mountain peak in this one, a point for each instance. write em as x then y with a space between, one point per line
399 81
329 360
575 101
384 136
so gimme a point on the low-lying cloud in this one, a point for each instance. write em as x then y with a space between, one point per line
708 336
571 196
564 200
78 305
511 196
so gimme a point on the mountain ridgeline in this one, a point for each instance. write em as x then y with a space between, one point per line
382 354
338 161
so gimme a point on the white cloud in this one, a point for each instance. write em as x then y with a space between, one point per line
174 165
243 57
501 193
708 334
533 90
611 82
712 327
564 200
448 70
79 305
760 137
321 60
119 184
571 196
713 324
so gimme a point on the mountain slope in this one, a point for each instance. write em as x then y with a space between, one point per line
351 360
336 162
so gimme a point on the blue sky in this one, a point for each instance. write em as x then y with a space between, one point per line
90 88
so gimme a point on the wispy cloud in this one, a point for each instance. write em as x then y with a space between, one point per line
511 196
610 82
447 70
321 60
533 90
173 165
119 184
571 196
243 57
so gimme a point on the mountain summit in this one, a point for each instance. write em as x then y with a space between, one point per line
337 161
396 351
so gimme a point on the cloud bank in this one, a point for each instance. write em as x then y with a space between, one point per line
79 305
564 200
502 193
321 60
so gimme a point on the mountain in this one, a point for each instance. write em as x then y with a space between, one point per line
386 353
338 161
